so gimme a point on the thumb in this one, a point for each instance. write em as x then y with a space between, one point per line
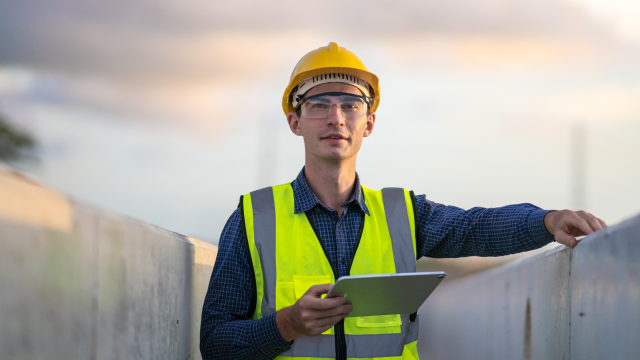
566 239
318 290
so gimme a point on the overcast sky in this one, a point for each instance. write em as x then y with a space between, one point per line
168 112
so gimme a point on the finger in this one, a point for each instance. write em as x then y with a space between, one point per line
566 239
602 223
323 304
320 329
580 224
592 220
318 326
314 315
339 310
318 290
330 321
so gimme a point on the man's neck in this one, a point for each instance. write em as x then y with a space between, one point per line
333 183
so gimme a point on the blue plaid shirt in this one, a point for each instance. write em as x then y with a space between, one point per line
444 231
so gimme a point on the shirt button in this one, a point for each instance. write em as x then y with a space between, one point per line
338 224
344 261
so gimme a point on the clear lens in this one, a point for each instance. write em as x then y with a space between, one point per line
320 107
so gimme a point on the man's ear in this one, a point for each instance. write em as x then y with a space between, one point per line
371 122
294 123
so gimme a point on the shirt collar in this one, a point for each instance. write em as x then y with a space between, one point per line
305 199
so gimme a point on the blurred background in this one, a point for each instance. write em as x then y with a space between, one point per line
168 111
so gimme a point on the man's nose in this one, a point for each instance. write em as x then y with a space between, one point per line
336 117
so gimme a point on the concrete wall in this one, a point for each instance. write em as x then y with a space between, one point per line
563 304
77 282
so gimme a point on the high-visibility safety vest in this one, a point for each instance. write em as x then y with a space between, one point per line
288 257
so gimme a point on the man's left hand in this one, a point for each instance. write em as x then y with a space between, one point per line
565 225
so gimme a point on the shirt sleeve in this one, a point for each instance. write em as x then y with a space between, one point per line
448 231
225 331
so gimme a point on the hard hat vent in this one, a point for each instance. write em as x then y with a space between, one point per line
335 76
298 92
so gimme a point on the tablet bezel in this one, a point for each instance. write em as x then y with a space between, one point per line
400 293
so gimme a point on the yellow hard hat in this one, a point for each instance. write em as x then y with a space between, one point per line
327 60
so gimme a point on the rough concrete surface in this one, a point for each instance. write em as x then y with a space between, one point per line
77 282
563 304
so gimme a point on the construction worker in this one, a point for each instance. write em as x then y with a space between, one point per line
285 245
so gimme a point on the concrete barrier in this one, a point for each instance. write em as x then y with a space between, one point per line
563 304
77 282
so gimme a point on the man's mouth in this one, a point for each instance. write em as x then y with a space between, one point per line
334 137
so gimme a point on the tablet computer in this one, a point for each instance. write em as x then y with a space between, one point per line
386 294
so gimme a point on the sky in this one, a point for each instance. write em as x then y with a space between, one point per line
168 113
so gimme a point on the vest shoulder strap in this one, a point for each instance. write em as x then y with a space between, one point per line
399 212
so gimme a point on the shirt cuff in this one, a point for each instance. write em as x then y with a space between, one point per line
267 338
537 231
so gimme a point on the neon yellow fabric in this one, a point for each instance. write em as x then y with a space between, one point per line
374 244
410 352
302 263
300 260
255 258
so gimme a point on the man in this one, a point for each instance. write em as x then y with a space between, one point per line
284 246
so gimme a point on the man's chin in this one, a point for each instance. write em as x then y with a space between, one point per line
331 153
334 156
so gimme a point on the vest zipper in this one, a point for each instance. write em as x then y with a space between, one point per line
338 329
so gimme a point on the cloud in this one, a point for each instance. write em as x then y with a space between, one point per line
205 106
199 62
203 39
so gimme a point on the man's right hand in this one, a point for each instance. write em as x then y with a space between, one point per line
311 315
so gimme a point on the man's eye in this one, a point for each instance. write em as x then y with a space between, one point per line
350 106
319 105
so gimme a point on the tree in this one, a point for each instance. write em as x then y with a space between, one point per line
14 144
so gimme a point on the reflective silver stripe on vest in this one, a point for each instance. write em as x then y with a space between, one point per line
412 331
358 346
264 234
395 210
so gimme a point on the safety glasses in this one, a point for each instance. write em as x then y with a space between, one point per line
319 106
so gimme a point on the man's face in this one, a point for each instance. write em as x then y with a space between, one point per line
335 137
